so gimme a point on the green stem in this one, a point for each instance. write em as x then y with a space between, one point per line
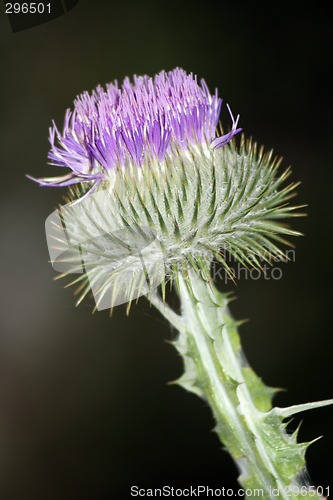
269 459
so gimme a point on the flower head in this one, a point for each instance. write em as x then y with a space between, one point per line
169 192
121 125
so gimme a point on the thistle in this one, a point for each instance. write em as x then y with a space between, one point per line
156 194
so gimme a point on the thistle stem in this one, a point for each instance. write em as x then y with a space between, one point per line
269 459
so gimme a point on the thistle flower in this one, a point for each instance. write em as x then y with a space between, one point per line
152 150
155 193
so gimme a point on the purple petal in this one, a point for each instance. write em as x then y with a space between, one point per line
115 124
219 142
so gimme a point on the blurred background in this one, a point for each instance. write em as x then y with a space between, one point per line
85 409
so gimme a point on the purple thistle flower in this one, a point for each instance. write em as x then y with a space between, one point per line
115 125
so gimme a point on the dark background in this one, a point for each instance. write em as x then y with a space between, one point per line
85 409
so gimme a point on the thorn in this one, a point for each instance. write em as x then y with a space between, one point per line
292 410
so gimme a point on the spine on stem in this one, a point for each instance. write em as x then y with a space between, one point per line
269 459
